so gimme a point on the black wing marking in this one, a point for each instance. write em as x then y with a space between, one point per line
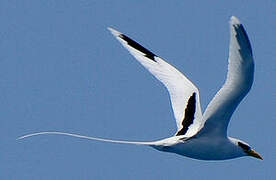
243 39
137 46
189 115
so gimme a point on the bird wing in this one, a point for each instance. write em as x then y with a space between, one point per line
183 94
238 83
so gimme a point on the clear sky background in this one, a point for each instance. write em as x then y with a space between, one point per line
61 70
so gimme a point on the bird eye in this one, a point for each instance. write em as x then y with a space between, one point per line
244 146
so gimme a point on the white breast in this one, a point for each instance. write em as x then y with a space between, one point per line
205 149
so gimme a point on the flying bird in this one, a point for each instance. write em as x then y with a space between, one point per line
199 136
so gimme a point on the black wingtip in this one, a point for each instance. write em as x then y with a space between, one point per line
137 46
242 35
133 44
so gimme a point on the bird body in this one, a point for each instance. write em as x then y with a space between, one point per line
199 136
219 148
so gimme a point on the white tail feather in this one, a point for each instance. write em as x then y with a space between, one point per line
87 137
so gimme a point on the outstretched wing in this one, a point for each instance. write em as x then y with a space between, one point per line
184 95
238 83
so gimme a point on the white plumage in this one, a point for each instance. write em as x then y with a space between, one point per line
198 136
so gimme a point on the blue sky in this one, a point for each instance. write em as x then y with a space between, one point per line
60 69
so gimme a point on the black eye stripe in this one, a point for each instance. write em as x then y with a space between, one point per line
244 146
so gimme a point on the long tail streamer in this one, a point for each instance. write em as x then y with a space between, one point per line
85 137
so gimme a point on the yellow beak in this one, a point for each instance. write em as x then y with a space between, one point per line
254 154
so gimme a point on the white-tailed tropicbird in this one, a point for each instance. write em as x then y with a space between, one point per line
198 136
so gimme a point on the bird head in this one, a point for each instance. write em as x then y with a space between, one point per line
246 149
